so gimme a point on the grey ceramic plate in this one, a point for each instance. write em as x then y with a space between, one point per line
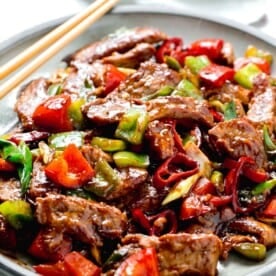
176 23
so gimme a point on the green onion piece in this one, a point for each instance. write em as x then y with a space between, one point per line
218 180
54 89
105 181
181 189
132 126
252 251
61 140
245 76
22 156
264 187
185 88
164 91
195 64
230 111
125 159
109 145
172 63
17 212
267 140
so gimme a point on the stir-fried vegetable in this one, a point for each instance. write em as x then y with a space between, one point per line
145 155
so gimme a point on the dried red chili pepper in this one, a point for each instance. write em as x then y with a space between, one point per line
175 168
150 223
232 183
172 47
250 170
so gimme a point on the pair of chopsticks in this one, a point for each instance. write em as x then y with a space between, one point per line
52 43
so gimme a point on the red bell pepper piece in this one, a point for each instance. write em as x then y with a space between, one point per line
29 137
204 186
215 75
77 265
112 78
143 262
74 264
270 209
71 169
57 269
40 248
260 62
52 114
148 222
249 170
172 47
212 48
193 206
175 168
6 166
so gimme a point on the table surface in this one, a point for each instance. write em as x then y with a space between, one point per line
20 15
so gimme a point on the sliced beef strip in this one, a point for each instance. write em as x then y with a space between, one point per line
131 179
181 253
265 233
81 73
9 189
119 42
160 139
30 97
148 79
132 59
262 108
108 110
40 186
237 138
86 220
186 110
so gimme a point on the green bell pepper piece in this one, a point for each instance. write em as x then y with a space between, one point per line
125 159
132 126
61 140
245 76
54 89
172 63
17 212
75 113
269 145
107 144
185 88
164 91
195 64
230 111
252 251
22 156
264 187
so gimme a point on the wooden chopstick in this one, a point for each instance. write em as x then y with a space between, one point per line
66 33
47 40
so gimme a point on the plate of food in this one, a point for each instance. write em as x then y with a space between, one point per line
145 147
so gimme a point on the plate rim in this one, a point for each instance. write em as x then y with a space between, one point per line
6 264
13 41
